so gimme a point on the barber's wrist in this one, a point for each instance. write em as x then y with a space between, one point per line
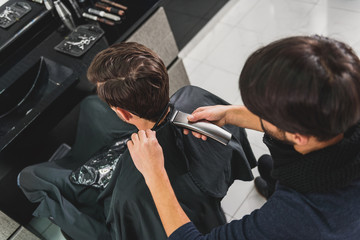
232 114
155 177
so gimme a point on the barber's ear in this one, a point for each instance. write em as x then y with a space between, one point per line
126 115
298 139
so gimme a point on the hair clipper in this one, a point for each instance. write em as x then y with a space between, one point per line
206 128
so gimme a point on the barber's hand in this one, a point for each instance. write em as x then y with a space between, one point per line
146 153
214 114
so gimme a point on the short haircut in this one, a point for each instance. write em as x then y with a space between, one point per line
132 77
304 84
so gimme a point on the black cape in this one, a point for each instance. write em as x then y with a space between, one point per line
200 173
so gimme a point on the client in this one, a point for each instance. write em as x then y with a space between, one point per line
113 201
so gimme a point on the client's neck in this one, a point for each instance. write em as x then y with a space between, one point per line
143 124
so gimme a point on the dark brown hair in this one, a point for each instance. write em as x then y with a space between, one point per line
132 77
306 84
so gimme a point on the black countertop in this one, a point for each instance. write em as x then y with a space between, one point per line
22 52
15 42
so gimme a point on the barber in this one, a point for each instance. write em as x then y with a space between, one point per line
304 93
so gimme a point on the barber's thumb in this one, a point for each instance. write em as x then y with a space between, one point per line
191 118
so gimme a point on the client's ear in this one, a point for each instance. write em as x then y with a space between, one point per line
298 139
122 113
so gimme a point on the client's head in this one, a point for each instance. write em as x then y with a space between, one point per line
131 79
307 84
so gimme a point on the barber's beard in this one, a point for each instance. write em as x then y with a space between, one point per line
279 135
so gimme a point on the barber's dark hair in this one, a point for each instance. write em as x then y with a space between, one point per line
305 84
133 77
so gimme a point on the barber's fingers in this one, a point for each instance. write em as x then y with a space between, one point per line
197 115
145 135
132 141
130 144
150 134
142 135
198 135
135 138
200 109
